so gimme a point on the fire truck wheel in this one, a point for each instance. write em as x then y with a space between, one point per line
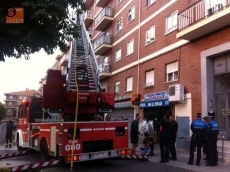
44 152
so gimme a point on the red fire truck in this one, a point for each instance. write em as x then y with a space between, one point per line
68 120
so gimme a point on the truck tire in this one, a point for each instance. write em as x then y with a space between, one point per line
19 148
44 154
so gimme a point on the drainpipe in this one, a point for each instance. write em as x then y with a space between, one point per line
138 51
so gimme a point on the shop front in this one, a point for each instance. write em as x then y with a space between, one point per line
154 106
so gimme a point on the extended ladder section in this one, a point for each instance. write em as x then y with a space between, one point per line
82 64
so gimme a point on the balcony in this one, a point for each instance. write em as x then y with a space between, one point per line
101 3
201 19
103 19
59 57
64 60
104 70
103 44
88 18
88 2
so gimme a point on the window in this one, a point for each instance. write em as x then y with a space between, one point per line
9 110
131 14
149 78
118 55
117 87
11 97
150 35
10 103
129 84
20 97
119 24
172 72
150 2
130 46
119 1
171 22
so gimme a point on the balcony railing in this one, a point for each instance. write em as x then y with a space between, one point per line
199 11
88 14
106 39
88 18
104 67
106 14
104 70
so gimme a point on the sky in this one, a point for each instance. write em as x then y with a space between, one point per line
19 74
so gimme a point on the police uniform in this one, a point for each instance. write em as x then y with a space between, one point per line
165 127
197 128
212 133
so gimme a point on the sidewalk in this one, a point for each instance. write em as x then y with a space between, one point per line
182 159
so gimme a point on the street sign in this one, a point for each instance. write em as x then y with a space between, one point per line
15 15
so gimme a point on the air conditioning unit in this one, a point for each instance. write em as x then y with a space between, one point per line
176 93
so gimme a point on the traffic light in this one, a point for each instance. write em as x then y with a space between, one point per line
135 99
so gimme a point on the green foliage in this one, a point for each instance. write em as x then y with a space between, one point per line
47 25
2 111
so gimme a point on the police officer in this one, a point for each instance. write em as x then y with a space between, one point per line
8 137
212 133
197 128
164 129
205 146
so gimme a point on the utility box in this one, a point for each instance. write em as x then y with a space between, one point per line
176 93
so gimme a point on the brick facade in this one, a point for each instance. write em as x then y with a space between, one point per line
188 54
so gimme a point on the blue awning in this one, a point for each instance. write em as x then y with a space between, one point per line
154 103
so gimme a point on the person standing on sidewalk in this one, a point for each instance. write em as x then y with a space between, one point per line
9 130
212 133
165 127
134 134
173 136
197 127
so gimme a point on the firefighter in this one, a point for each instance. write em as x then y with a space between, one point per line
212 133
8 137
197 127
165 127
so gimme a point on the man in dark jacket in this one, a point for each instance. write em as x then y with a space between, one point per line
134 134
165 127
173 136
197 127
8 137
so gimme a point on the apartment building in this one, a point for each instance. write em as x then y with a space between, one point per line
174 54
13 99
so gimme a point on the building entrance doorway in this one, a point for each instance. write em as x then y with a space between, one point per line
222 94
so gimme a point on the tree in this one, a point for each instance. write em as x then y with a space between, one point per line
2 111
47 25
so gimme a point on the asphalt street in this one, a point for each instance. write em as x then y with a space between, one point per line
116 165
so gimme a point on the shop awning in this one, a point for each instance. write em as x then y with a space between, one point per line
154 103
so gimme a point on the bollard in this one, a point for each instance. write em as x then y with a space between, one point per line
222 149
